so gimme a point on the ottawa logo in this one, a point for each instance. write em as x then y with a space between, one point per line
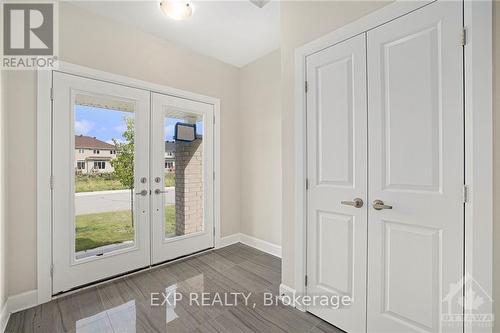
467 302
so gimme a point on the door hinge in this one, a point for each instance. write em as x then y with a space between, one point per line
51 94
51 182
305 280
464 36
52 270
214 120
466 193
307 183
213 175
305 86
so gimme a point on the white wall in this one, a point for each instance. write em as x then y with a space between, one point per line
3 255
91 40
302 22
260 137
496 161
21 180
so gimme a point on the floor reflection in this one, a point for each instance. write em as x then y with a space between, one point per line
125 304
118 319
171 303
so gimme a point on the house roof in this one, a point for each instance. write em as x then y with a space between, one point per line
82 141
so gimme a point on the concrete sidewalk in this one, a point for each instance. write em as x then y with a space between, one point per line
84 194
110 201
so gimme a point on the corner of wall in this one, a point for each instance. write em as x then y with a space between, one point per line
260 148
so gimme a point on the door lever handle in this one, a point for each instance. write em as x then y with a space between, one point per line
379 205
158 191
143 193
356 203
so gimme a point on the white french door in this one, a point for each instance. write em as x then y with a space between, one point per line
126 193
98 232
416 159
385 168
336 155
182 216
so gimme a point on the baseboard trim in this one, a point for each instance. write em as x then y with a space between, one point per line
4 318
17 303
289 293
286 290
256 243
22 301
229 240
261 245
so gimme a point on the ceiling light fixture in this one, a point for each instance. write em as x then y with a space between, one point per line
260 3
176 9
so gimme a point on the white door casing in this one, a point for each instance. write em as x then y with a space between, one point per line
164 248
337 162
416 165
68 271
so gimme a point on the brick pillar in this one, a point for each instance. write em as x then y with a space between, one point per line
188 187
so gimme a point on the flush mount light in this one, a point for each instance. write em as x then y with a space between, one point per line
176 9
260 3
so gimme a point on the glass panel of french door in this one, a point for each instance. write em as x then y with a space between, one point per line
182 177
100 162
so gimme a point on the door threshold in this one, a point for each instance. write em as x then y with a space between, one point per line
127 274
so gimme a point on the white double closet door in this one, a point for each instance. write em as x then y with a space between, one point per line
125 193
385 164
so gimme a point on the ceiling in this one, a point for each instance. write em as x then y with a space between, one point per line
235 32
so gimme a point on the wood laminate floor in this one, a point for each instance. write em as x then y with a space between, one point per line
134 303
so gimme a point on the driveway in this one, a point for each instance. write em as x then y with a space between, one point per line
110 201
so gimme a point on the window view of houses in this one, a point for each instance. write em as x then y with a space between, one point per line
94 156
104 179
170 155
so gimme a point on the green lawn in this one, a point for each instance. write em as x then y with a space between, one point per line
108 182
92 183
94 230
169 179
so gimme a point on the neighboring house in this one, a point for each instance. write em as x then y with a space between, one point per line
169 155
93 155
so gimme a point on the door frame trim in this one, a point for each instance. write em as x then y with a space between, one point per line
43 160
478 134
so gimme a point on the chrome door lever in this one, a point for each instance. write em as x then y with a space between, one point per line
379 205
158 191
143 193
356 203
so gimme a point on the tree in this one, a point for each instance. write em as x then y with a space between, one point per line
123 164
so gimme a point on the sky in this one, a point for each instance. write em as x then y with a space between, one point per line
104 124
107 124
